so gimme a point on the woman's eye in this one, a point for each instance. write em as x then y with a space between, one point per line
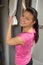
27 18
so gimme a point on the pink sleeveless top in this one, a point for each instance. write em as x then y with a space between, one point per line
23 52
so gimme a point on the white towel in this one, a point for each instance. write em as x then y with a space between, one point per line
15 22
12 10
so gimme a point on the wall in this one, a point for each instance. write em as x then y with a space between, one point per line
38 48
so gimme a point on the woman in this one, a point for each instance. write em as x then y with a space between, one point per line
24 41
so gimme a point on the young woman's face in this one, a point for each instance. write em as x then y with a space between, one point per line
26 19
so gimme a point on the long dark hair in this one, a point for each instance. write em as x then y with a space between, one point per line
36 25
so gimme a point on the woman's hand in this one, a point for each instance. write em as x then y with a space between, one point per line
10 20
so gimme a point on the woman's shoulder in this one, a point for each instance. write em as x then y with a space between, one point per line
28 33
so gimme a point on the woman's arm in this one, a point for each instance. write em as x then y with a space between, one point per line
23 4
12 41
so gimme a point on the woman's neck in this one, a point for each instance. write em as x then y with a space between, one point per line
27 29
